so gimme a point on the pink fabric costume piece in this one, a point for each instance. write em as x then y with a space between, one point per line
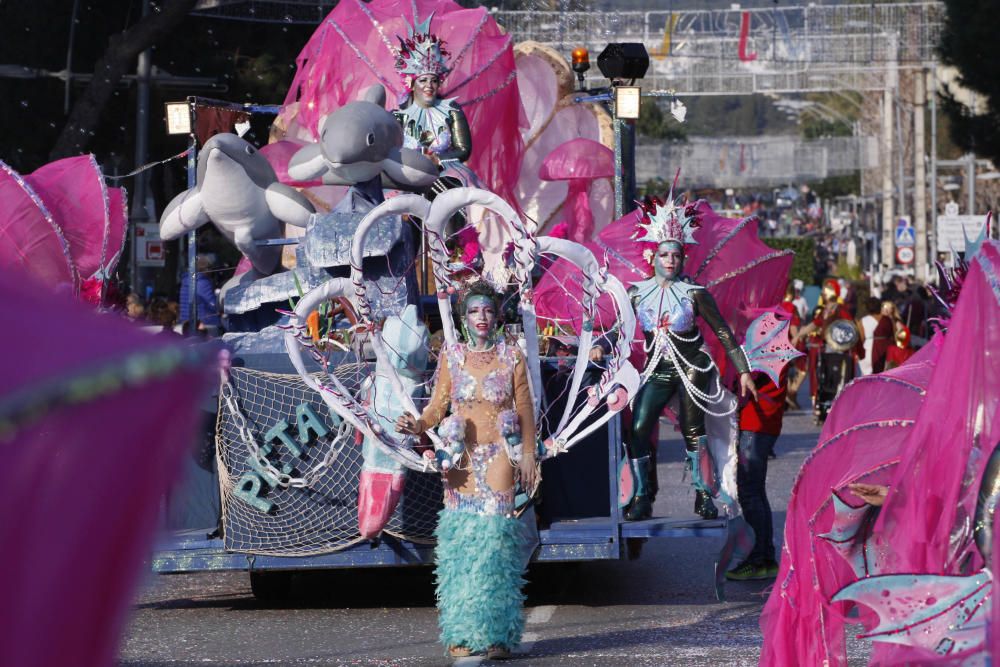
934 489
800 626
743 274
30 238
579 162
933 467
352 49
83 478
89 213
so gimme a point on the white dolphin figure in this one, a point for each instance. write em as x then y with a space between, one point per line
238 192
362 141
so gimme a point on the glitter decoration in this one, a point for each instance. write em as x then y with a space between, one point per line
490 93
509 426
485 66
361 56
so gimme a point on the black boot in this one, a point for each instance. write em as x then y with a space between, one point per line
641 506
703 505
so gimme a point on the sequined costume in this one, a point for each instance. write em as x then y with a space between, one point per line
478 561
678 363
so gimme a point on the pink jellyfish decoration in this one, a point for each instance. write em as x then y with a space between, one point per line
579 162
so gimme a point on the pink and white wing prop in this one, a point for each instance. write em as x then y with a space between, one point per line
767 346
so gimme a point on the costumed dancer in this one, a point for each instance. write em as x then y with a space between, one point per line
667 307
830 368
431 123
483 384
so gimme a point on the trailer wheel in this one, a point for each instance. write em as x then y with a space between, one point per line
271 586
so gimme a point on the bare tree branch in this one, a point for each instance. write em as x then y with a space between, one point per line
122 50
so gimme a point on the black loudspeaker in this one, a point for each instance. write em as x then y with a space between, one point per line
627 60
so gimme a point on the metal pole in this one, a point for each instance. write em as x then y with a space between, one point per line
970 182
901 185
932 97
619 167
888 222
919 177
69 55
192 180
139 211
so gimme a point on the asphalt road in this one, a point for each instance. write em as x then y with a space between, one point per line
659 609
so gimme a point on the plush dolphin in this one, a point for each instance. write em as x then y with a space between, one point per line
239 193
359 142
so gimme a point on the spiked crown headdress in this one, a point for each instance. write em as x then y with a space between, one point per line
666 222
421 52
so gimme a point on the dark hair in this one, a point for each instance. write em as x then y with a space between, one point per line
479 288
874 305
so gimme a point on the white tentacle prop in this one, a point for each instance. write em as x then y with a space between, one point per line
618 384
525 250
337 398
587 263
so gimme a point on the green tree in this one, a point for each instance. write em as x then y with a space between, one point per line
653 123
970 29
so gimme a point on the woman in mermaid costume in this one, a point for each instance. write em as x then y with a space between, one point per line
483 383
667 305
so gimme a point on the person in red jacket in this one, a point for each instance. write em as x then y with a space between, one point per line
760 426
901 351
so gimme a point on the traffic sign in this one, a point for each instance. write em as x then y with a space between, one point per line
905 236
905 255
952 230
149 249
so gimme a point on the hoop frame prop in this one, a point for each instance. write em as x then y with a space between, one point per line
335 395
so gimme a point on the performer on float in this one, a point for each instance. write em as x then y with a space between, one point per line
667 307
431 123
483 383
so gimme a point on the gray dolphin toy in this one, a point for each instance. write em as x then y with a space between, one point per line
239 193
360 142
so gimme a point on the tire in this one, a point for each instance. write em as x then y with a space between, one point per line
274 586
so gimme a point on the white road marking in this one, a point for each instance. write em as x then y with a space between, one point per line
537 616
542 614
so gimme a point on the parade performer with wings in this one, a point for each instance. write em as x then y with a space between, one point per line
667 305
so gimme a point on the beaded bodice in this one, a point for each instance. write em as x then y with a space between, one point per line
483 499
477 386
671 307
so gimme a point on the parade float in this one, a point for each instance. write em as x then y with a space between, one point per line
381 225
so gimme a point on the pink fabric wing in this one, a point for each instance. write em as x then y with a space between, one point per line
74 192
92 465
742 273
353 49
118 207
579 162
861 441
30 238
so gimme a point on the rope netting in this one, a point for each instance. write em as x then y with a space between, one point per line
283 497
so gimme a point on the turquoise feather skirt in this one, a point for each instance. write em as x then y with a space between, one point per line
478 572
